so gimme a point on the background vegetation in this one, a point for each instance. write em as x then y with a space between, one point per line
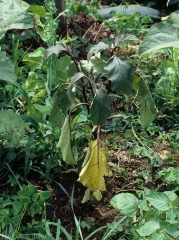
71 100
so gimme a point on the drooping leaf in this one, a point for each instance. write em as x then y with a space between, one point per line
159 200
126 203
54 49
7 70
146 105
72 69
120 73
161 35
95 167
60 105
170 2
70 90
14 15
67 144
100 108
62 66
148 228
12 127
97 48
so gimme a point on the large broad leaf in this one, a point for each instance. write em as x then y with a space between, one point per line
146 105
161 35
121 75
148 228
12 127
67 143
126 203
95 167
159 200
14 15
7 69
100 108
97 48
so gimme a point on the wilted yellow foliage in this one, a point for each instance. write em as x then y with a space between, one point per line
95 167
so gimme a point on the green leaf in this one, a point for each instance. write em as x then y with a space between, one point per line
170 2
54 50
148 228
60 105
126 203
146 105
71 90
35 59
158 236
27 191
13 126
72 69
161 35
95 63
100 108
121 75
66 144
97 48
43 109
14 15
159 200
44 195
62 66
171 195
171 229
17 219
98 195
17 206
86 196
7 69
40 10
175 18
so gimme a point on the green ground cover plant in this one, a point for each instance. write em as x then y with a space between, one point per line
54 105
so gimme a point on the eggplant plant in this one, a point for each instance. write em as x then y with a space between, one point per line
88 87
76 93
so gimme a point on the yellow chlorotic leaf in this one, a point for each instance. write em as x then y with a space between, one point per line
95 167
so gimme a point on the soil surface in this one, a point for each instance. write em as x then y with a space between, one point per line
126 170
